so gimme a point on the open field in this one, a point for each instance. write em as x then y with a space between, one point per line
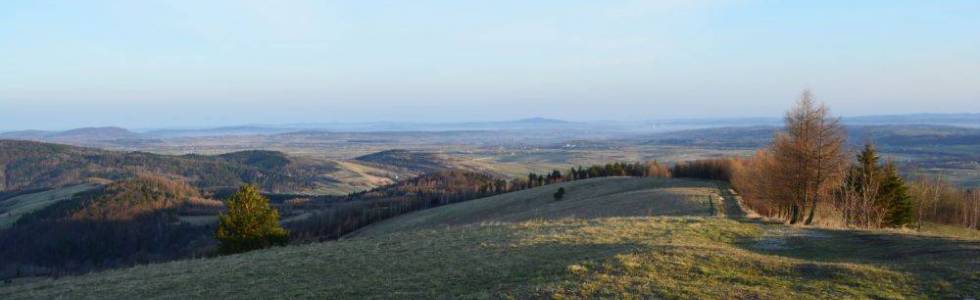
589 199
595 243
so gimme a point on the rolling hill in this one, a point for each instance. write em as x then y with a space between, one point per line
887 136
35 165
609 238
87 134
121 223
13 208
412 161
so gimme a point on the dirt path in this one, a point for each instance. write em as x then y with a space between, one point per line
730 203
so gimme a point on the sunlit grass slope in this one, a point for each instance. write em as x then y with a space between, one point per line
594 198
576 248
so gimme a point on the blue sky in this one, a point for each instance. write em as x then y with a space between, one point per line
149 64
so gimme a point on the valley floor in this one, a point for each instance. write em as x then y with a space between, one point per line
610 238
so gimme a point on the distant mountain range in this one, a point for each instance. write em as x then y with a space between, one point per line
759 136
78 134
97 134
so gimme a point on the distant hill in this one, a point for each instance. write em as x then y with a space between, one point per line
220 131
32 165
960 119
94 133
414 161
735 137
883 135
25 135
100 137
76 135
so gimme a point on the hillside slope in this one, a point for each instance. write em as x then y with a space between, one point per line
15 207
122 223
411 162
33 165
493 248
595 198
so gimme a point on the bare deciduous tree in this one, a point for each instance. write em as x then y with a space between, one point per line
809 157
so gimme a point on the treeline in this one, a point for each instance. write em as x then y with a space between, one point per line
343 216
713 169
361 209
805 176
938 201
635 169
871 193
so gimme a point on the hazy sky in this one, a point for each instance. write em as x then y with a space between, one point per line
202 63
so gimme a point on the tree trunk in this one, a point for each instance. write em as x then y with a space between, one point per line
794 213
813 208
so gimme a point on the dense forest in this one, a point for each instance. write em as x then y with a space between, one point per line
123 223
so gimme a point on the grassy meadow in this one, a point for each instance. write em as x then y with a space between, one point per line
617 238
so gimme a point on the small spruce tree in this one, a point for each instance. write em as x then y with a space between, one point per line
889 189
559 194
250 223
896 197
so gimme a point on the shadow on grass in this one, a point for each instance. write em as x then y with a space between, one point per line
940 265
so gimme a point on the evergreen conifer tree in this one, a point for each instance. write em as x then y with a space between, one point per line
896 198
249 224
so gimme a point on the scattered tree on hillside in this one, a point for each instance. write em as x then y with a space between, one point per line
655 169
559 194
756 181
897 201
809 157
874 195
858 199
938 201
250 223
802 167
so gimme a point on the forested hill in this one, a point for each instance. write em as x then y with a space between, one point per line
36 165
125 222
413 161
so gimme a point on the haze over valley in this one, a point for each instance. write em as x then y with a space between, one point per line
498 150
